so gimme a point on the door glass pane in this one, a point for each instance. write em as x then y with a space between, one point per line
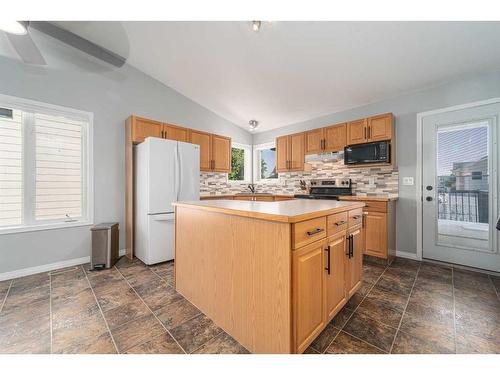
463 185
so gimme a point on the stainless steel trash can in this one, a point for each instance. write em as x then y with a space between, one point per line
104 245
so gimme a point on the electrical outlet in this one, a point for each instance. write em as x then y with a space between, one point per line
408 181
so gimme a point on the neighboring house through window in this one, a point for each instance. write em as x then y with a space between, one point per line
45 166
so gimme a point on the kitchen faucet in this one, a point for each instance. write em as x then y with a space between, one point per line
252 188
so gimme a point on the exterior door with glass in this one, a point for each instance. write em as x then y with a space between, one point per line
459 186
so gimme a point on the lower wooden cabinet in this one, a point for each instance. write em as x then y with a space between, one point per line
375 234
308 279
354 260
334 277
325 274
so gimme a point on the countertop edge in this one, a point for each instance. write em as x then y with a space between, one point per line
268 216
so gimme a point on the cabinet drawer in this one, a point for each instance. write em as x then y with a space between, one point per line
355 217
308 231
336 223
375 206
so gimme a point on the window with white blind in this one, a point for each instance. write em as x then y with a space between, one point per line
45 166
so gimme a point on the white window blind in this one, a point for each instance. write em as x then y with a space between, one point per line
45 169
11 173
58 161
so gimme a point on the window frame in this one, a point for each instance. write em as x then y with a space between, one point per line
256 163
248 163
30 224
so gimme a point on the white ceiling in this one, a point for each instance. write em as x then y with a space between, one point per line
294 71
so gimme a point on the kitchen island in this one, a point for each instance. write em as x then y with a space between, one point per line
271 274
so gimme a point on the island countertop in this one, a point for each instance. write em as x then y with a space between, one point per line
291 211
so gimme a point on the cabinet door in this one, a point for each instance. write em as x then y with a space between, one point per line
336 137
282 154
203 140
221 153
335 292
142 128
175 133
314 141
375 234
380 127
356 132
307 289
297 148
354 269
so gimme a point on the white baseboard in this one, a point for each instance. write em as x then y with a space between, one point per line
47 267
43 268
404 254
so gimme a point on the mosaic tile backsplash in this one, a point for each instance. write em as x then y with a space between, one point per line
365 181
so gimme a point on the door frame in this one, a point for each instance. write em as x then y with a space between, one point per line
418 176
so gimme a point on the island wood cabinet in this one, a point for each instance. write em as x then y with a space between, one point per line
371 129
271 276
326 273
330 139
290 151
215 151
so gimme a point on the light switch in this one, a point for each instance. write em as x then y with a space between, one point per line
407 180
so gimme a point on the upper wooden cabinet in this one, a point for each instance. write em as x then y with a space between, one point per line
380 127
204 141
290 152
215 151
314 141
175 133
142 128
330 139
221 153
335 137
356 132
371 129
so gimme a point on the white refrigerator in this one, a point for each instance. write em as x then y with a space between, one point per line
165 172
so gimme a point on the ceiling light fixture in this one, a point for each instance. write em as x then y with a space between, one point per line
253 124
13 27
256 26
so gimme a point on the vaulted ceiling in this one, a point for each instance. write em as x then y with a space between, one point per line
289 72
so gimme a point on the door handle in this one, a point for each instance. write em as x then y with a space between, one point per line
328 254
428 199
314 232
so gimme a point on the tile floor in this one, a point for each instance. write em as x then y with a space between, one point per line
408 307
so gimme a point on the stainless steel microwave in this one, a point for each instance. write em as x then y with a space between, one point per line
368 153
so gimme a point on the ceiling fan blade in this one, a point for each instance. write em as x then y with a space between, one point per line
26 49
78 42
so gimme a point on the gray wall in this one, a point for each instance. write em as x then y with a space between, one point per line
475 87
112 96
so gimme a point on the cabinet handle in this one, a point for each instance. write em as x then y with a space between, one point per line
369 132
351 242
365 132
328 253
348 238
315 232
356 217
339 223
